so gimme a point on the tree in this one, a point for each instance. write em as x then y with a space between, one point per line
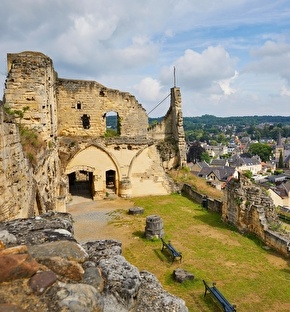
281 163
213 143
262 150
205 157
195 152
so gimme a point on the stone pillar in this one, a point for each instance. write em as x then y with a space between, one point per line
154 227
125 188
98 186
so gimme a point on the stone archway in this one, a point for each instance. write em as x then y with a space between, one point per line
96 167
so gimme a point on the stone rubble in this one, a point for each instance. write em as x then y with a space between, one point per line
43 268
181 275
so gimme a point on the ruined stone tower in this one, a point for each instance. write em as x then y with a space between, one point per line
71 118
31 83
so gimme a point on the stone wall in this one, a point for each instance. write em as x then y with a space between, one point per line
16 179
248 207
278 242
77 98
30 183
208 203
136 163
43 268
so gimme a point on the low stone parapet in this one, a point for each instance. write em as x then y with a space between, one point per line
43 266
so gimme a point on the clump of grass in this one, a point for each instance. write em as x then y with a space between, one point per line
16 113
110 133
183 175
31 143
29 138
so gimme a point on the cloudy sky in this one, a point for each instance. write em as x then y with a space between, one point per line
231 57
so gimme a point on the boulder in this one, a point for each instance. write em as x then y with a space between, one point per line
64 249
17 266
122 282
181 275
51 226
78 298
152 297
102 249
41 281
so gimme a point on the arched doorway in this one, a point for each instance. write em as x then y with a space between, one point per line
93 173
80 183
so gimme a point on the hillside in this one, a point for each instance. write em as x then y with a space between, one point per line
233 120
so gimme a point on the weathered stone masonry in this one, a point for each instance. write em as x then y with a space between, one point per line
77 98
70 118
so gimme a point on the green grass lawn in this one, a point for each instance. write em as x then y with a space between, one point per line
250 276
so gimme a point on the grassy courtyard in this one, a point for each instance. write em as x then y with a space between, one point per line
249 275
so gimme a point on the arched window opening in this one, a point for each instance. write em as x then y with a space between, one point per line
111 181
112 124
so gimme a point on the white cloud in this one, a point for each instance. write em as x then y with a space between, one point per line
138 53
118 43
149 89
199 71
271 58
225 84
285 91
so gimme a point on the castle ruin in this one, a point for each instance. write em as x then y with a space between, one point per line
70 119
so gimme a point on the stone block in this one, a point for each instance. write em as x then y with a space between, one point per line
181 275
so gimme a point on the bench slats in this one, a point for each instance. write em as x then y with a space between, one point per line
218 296
175 254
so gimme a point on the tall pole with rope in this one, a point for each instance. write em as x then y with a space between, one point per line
174 77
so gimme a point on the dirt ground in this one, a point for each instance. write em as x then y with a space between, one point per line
92 219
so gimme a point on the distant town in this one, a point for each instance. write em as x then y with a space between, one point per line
257 146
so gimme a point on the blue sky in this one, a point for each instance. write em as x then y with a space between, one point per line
232 58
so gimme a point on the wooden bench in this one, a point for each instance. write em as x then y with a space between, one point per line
219 298
174 253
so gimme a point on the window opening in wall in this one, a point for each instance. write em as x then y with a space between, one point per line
112 124
86 121
79 105
111 181
102 93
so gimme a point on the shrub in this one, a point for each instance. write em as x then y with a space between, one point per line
31 143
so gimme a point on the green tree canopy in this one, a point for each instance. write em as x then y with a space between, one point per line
205 157
262 150
195 152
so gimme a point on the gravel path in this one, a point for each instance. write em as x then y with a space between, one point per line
92 217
